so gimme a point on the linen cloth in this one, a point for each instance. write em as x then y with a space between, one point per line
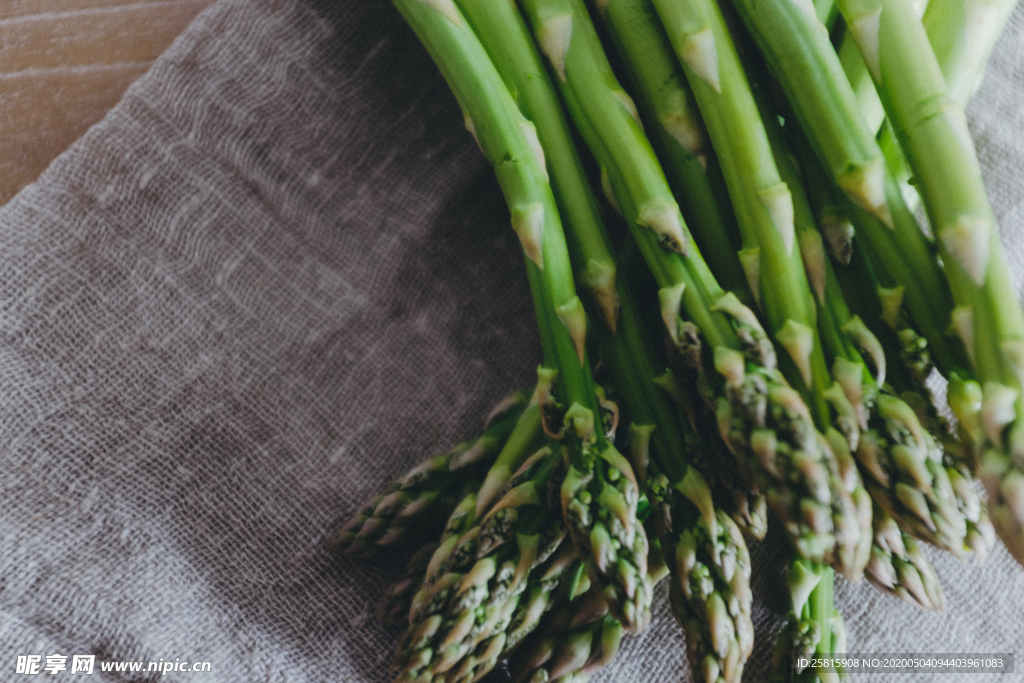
275 276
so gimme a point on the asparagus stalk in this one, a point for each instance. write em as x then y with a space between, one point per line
897 565
962 47
902 462
896 338
764 204
798 51
496 26
619 350
879 307
765 209
963 34
975 533
762 201
503 35
520 529
676 132
815 628
856 70
757 399
600 494
711 567
505 38
874 304
428 493
933 133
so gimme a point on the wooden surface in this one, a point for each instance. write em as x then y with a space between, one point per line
65 63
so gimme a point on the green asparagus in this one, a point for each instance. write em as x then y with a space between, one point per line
756 398
932 131
481 576
797 48
711 567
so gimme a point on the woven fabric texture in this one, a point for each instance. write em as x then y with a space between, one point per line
275 276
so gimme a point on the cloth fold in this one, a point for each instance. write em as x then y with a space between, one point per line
275 276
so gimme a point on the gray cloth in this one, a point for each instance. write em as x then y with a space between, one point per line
273 277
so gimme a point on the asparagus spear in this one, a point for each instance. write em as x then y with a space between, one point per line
933 133
600 495
765 210
671 119
762 201
859 286
901 460
505 38
710 595
587 239
578 635
756 400
897 565
462 520
428 493
522 614
962 34
875 305
561 581
814 629
677 134
493 560
711 567
798 51
975 533
523 442
482 575
962 47
496 26
585 230
765 207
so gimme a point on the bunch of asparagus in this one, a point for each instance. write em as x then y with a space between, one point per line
680 398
